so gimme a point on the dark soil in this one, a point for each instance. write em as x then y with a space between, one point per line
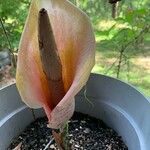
85 133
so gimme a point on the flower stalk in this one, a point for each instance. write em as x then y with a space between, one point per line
52 68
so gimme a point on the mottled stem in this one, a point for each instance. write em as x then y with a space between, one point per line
60 136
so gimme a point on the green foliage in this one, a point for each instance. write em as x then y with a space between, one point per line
123 40
96 9
13 14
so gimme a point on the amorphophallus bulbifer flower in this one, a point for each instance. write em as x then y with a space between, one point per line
74 41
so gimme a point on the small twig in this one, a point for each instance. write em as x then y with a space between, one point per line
146 29
114 6
3 27
127 45
18 147
119 63
85 95
111 66
127 63
10 46
32 110
49 143
128 69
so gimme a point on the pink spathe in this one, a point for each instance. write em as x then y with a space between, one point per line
76 48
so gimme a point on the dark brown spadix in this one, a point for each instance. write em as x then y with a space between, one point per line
51 63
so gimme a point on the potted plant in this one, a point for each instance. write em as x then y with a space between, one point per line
55 58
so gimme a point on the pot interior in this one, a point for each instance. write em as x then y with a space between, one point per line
118 104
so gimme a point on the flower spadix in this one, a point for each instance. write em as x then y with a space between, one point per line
55 58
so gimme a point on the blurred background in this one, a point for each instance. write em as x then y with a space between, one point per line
122 31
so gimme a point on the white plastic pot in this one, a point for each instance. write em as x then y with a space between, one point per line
118 104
